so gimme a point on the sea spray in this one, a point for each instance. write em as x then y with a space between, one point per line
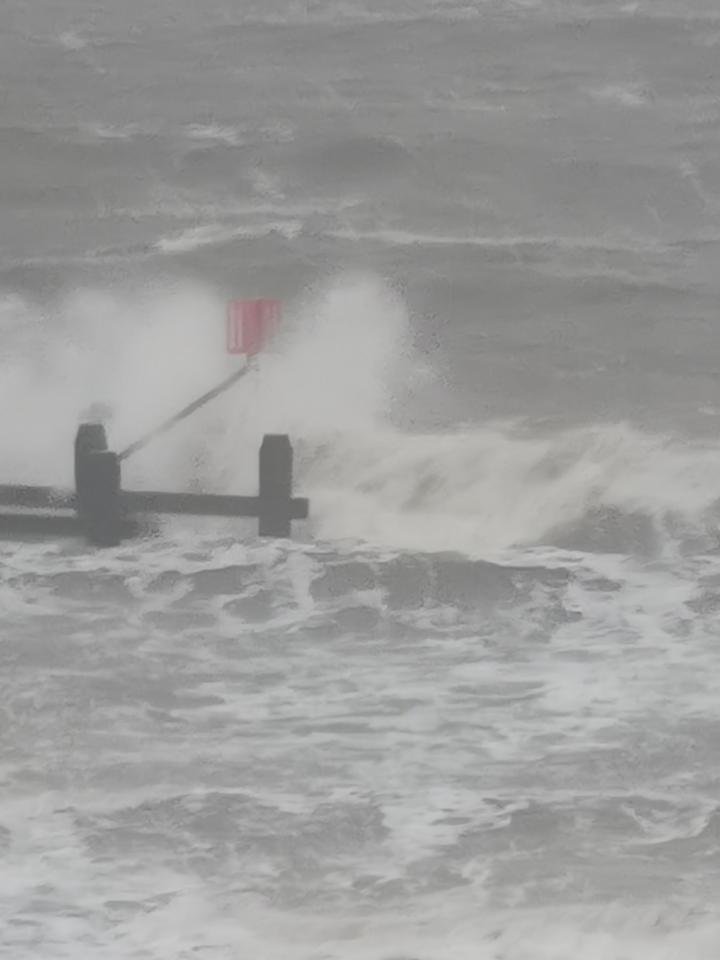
333 379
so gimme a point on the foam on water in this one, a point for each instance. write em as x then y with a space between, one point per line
341 369
487 489
441 931
229 771
556 244
71 40
277 781
631 95
194 238
472 711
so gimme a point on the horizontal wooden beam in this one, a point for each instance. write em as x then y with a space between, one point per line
150 501
49 512
40 525
199 504
49 498
203 504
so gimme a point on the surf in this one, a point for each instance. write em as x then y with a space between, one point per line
341 379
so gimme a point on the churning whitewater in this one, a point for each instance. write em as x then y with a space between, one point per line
470 710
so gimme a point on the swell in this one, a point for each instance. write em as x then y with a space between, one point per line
603 487
342 372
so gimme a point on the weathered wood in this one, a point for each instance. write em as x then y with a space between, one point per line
40 525
101 508
275 483
19 495
203 504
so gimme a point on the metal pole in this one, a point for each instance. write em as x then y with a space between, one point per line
185 412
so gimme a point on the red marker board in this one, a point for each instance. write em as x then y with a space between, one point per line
251 324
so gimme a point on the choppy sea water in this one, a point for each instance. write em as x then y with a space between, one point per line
470 711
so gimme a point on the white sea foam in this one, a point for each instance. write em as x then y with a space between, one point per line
208 235
631 95
303 13
187 816
339 368
104 131
517 242
215 133
217 747
72 40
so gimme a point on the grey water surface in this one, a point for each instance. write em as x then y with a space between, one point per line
471 711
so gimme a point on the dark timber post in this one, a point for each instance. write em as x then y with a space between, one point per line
276 467
97 486
89 437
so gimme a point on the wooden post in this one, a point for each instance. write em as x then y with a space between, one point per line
276 466
89 437
97 486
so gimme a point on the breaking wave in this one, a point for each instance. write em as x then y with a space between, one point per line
341 376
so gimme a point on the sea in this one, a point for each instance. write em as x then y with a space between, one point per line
470 710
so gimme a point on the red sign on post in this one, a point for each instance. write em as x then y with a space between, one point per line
250 324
